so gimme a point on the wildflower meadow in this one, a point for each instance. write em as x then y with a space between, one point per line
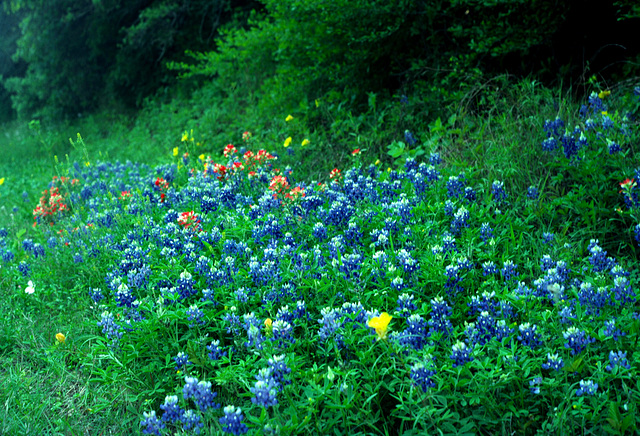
221 291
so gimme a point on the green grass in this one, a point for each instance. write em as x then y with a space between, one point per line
494 133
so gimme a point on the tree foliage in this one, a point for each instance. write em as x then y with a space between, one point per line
82 53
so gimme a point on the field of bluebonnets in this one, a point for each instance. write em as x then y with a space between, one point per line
223 293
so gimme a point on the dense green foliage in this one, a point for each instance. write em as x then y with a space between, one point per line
81 54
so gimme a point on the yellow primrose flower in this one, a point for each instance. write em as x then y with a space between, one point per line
60 338
304 142
287 141
175 151
289 118
603 94
2 181
201 157
380 323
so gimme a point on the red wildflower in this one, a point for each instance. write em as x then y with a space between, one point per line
229 150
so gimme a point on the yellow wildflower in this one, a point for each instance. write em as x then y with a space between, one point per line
304 142
2 181
381 324
201 157
603 94
287 141
60 338
268 326
289 118
185 136
377 162
175 151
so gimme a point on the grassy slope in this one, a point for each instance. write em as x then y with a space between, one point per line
45 392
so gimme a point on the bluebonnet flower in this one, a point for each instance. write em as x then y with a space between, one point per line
549 144
182 359
353 234
610 329
486 232
553 128
502 330
614 147
112 330
77 258
151 424
547 238
406 304
38 250
587 388
264 392
577 340
453 280
498 192
434 159
123 296
440 313
233 320
508 270
566 315
96 295
546 263
185 285
409 138
607 123
398 284
455 186
592 300
195 316
231 422
415 335
448 208
482 330
215 352
278 371
461 354
533 193
300 310
192 421
282 333
622 290
23 266
52 242
528 335
598 257
421 375
448 244
554 362
8 256
172 412
534 385
570 146
488 268
331 322
319 231
459 220
617 358
469 194
200 392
